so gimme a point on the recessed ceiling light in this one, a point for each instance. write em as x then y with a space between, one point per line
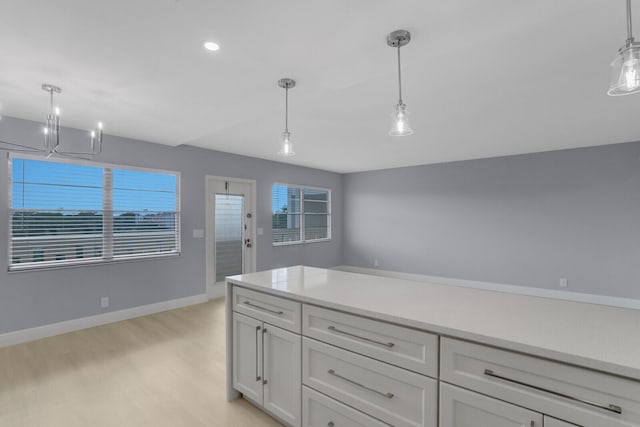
211 46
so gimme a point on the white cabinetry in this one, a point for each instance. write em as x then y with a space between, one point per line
247 357
319 410
552 422
581 396
463 408
267 367
313 362
394 395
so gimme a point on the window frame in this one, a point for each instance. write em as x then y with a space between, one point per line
302 240
95 261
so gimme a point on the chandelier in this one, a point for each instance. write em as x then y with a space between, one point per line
51 130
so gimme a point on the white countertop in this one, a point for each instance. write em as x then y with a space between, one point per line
595 336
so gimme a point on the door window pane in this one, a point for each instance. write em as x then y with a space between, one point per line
229 222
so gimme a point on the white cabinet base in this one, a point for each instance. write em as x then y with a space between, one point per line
282 374
463 408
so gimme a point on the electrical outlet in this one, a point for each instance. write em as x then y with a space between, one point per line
564 283
376 263
104 302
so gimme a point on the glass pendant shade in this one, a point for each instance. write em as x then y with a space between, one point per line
400 121
625 71
286 149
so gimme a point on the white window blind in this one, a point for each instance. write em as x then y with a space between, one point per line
229 233
66 213
300 214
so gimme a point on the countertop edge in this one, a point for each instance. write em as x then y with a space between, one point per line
571 359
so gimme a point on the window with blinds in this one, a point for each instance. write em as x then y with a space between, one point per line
300 214
65 213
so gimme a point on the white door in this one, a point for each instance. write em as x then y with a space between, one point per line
462 408
552 422
247 357
230 230
283 374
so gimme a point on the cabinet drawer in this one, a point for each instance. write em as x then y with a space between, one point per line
276 311
391 394
464 408
552 422
578 395
319 410
404 347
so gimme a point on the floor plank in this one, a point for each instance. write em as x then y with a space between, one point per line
166 369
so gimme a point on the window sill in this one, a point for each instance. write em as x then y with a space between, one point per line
87 263
304 242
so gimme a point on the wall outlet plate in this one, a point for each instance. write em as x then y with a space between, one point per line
104 302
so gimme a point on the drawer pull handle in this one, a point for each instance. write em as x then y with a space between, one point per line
279 313
387 395
385 344
611 408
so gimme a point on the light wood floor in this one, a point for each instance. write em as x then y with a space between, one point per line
167 369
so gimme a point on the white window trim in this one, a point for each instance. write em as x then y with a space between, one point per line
303 241
95 261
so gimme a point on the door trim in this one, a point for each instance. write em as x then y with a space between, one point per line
214 291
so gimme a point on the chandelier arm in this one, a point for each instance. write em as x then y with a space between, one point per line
23 148
73 155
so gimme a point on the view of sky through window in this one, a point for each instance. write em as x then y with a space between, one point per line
41 185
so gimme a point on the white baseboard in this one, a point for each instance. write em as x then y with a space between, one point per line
216 291
524 290
44 331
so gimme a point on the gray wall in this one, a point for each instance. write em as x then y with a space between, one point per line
33 298
522 220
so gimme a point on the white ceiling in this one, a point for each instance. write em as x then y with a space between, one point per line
481 78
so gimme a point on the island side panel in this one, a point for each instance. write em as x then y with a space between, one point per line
231 392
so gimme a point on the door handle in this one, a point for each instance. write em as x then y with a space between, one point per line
257 334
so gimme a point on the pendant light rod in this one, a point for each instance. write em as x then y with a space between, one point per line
629 24
398 39
286 84
399 78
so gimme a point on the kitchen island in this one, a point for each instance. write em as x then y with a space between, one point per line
312 345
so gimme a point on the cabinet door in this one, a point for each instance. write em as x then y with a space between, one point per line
247 357
552 422
282 374
463 408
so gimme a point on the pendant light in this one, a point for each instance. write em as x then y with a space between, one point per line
286 148
400 117
625 69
